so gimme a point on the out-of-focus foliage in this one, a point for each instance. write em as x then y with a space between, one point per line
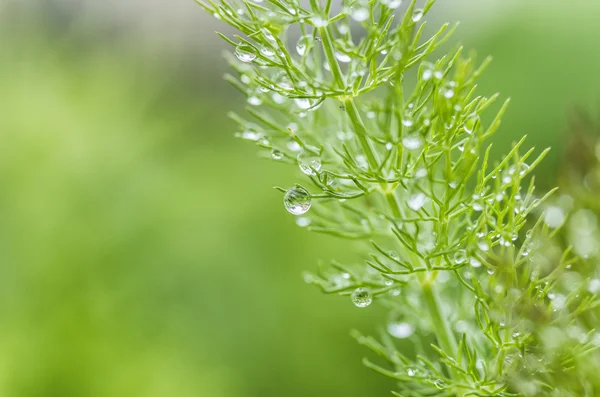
139 253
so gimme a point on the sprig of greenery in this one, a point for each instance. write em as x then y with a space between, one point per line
395 148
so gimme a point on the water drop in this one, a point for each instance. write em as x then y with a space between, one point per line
453 184
388 282
251 135
407 122
389 146
554 217
460 257
276 154
267 52
449 93
254 101
294 146
417 201
342 57
421 173
394 292
559 302
309 163
411 372
471 124
302 45
427 74
278 98
343 28
417 15
474 262
245 52
371 115
360 14
439 383
412 143
594 286
302 103
400 330
297 200
319 22
484 246
302 221
477 207
361 161
392 4
361 297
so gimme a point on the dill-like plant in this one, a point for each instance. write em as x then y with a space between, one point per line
481 295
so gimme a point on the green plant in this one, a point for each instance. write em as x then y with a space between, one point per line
394 146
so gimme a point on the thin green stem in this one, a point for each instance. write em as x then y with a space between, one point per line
353 113
441 325
361 133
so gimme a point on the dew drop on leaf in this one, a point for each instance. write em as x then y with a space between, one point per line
412 142
302 221
360 14
439 383
302 103
392 4
361 297
460 257
340 56
417 15
302 45
319 22
554 217
297 200
417 201
471 124
475 262
276 154
400 330
245 52
254 101
309 163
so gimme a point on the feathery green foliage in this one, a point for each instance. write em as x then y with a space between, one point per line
396 152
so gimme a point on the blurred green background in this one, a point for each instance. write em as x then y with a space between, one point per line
143 251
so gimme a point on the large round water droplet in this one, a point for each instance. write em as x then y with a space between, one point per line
297 200
245 52
309 163
471 124
361 297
